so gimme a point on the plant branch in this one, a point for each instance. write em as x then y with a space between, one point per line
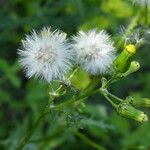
114 97
107 84
104 93
87 92
56 94
31 132
92 88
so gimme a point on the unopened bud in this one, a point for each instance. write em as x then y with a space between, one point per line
128 111
122 62
134 66
131 48
138 101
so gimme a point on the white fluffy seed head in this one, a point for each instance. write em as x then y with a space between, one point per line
46 54
94 50
142 2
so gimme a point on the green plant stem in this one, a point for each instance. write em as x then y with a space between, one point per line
88 91
102 91
131 26
92 88
74 72
114 97
30 133
89 142
52 97
75 100
110 81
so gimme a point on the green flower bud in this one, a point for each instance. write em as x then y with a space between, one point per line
122 62
134 66
128 111
138 101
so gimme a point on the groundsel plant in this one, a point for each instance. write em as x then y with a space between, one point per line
50 56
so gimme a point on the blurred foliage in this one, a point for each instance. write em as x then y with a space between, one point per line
22 100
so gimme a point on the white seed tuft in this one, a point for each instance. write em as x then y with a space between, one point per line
94 50
46 54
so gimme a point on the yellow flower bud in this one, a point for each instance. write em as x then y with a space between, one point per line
131 48
122 62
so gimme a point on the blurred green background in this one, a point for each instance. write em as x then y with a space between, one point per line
22 100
